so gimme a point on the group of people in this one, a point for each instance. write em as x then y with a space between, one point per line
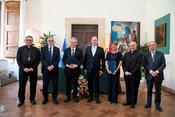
94 62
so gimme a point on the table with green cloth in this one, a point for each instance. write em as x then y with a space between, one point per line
62 82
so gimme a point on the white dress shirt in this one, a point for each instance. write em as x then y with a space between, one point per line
94 49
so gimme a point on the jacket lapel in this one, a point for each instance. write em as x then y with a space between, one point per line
90 51
155 57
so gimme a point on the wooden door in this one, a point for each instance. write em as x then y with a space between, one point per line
84 33
11 28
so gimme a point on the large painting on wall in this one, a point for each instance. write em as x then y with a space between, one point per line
125 32
160 35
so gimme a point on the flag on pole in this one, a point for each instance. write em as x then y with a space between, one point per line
104 42
64 45
62 52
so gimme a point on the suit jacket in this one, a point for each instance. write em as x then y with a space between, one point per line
96 62
132 63
28 57
158 64
45 58
78 56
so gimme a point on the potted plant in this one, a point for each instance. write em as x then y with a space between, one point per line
143 49
44 38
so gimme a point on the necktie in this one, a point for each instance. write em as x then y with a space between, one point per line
153 56
29 53
73 52
50 53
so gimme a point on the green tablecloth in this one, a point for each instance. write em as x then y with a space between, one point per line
62 83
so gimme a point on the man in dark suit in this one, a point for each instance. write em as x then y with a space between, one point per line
94 65
50 56
154 64
28 58
72 60
132 62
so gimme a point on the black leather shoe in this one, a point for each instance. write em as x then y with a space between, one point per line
75 99
89 99
54 101
44 101
67 100
20 103
132 106
33 102
97 101
147 106
126 104
159 108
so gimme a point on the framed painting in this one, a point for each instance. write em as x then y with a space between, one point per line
160 35
123 32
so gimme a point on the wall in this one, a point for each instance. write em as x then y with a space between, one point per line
49 15
154 10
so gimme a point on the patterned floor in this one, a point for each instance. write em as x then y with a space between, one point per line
8 97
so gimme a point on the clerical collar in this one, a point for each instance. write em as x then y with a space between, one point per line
132 52
28 46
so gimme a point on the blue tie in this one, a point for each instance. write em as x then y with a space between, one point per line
50 53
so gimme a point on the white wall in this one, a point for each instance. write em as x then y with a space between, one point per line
49 15
154 10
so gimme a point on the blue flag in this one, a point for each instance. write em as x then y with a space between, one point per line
62 52
64 45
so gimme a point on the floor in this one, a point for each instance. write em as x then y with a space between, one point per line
8 97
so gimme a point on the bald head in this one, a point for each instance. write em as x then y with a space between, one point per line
94 41
152 46
132 46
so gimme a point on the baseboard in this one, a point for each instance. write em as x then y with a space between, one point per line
168 90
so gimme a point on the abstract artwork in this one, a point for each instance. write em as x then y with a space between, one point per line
123 33
160 35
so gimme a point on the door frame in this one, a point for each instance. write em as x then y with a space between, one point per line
96 21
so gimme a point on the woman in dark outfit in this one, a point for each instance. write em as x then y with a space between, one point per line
113 63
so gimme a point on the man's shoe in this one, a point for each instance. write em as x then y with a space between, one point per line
75 99
67 100
126 104
20 103
147 106
132 106
97 101
89 99
159 108
55 101
33 102
44 101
